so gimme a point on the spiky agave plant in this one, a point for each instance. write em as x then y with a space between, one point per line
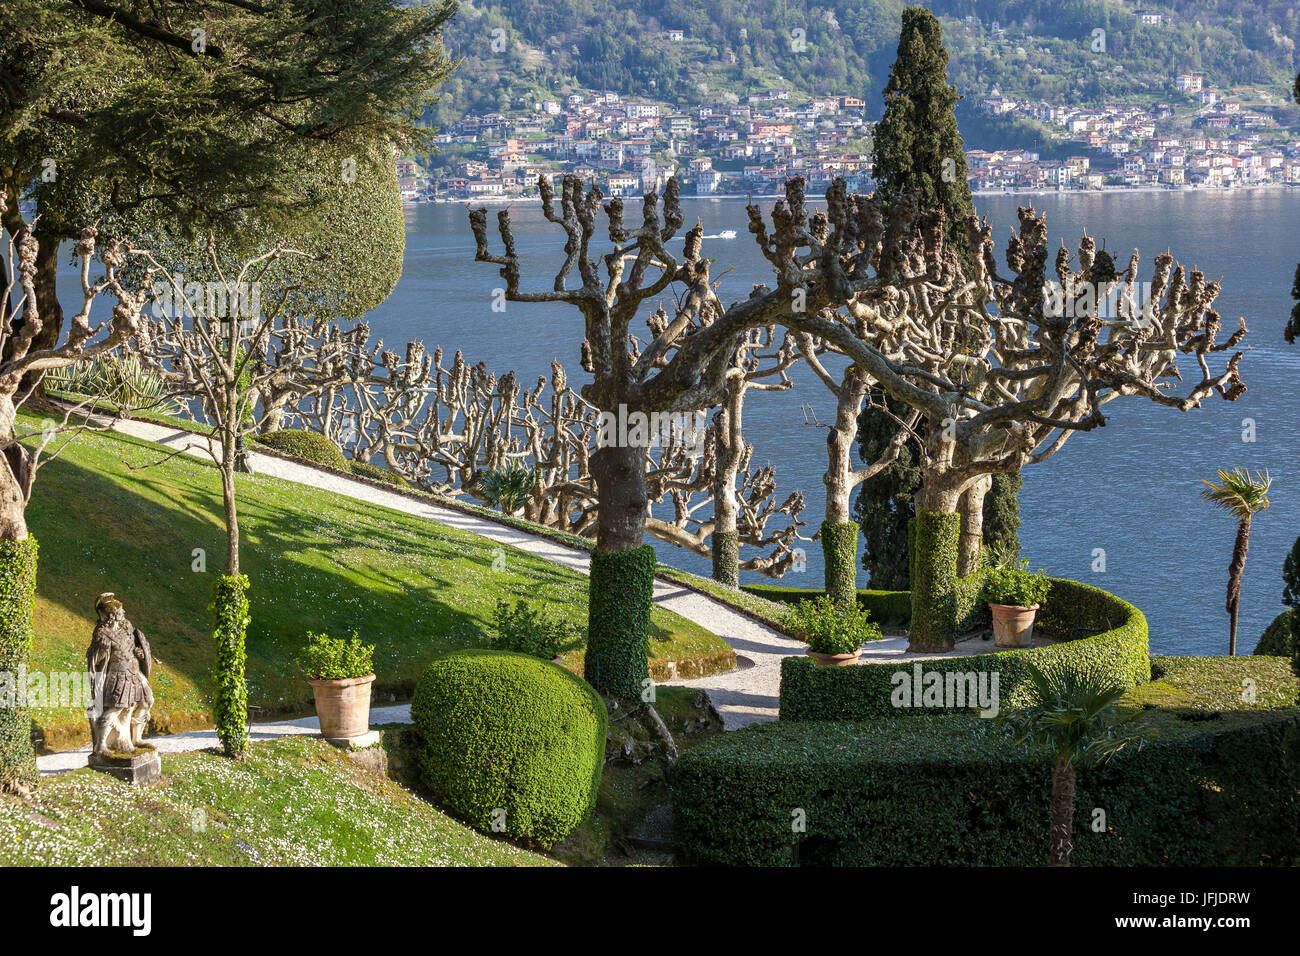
508 488
122 380
1243 496
1077 722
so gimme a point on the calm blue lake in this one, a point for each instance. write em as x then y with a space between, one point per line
1132 488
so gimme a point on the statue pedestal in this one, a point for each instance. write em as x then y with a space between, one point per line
139 768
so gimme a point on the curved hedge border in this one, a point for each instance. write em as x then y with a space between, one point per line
809 692
950 791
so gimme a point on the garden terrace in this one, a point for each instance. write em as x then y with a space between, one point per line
1217 782
320 561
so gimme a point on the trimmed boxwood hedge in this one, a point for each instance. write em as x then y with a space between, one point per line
887 608
17 597
1210 787
312 446
513 733
809 692
367 470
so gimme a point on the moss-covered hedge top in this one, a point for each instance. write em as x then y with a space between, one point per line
1217 781
1107 630
311 446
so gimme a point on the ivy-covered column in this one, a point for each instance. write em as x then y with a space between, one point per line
840 553
934 543
231 617
618 621
725 546
17 598
621 586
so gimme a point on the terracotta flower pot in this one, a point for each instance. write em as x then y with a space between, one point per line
343 706
835 660
1013 626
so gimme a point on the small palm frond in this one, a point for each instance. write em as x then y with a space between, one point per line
1238 493
1075 718
508 488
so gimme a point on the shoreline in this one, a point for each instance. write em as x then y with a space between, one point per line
1009 191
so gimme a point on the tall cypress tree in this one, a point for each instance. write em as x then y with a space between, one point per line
918 146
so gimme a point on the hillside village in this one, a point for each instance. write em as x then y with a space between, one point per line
1208 138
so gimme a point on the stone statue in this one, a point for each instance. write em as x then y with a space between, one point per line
119 663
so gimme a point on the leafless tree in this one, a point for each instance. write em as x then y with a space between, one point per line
85 341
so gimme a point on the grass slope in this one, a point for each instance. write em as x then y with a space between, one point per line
318 561
292 802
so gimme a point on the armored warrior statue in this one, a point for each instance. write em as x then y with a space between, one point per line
119 663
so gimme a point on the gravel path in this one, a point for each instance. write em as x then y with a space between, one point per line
742 696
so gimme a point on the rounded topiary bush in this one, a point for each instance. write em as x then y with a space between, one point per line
313 446
506 732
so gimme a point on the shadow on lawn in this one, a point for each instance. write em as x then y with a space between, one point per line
317 562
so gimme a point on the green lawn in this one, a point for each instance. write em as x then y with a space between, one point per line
317 560
292 802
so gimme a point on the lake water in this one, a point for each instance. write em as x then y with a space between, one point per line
1132 488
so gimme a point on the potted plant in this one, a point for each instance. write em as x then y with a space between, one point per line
340 673
835 635
1014 594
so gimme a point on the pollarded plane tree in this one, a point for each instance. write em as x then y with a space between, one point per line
304 360
444 427
851 388
1006 370
24 448
682 369
720 498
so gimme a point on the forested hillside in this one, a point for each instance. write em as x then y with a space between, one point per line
1048 49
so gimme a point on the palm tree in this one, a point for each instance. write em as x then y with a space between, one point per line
1076 720
508 488
1242 497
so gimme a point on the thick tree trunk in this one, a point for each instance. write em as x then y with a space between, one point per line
933 545
13 471
725 540
1235 570
971 507
839 532
231 514
622 576
1062 814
